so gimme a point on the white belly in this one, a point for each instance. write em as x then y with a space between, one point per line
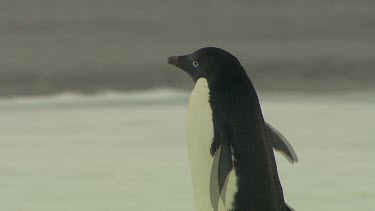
199 139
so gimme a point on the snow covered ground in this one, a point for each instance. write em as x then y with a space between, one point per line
127 152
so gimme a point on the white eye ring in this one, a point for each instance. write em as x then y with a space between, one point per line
195 64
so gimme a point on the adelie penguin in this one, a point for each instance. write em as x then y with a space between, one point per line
229 143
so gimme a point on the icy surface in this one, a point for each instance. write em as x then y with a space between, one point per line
128 152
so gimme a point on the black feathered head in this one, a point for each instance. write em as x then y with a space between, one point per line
214 64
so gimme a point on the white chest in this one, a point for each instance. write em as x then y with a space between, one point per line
199 138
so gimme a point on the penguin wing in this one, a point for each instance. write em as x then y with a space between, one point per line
281 144
221 167
214 188
225 167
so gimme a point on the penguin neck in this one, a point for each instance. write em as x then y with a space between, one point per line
201 83
232 86
223 82
200 94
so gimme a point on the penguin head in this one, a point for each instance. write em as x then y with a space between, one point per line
213 64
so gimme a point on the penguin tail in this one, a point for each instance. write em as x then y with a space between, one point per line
288 208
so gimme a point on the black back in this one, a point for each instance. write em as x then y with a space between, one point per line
237 113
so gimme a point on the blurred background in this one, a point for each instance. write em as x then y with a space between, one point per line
92 116
88 46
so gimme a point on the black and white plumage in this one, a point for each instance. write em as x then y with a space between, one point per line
229 143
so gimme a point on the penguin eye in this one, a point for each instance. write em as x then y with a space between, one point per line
195 64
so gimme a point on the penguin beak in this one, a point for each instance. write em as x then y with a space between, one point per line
173 60
182 62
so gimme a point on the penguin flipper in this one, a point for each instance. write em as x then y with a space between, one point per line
225 167
281 144
214 188
221 167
